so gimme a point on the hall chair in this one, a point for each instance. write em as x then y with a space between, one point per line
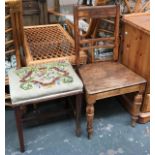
105 77
46 79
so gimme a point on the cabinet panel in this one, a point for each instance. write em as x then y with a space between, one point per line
136 55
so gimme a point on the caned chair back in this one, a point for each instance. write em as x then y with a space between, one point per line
98 42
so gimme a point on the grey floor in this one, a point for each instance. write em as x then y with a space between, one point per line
113 135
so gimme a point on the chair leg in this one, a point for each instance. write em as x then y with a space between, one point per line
90 117
78 114
19 128
136 108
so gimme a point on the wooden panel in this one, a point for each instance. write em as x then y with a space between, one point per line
108 76
146 105
140 21
97 13
12 47
136 55
35 12
136 52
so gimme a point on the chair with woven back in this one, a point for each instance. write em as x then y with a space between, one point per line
104 79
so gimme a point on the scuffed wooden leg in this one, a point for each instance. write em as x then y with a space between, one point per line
19 128
90 117
136 108
78 114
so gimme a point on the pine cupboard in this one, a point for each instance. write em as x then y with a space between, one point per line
136 55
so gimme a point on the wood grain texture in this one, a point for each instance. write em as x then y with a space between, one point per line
136 51
106 79
105 76
140 21
12 46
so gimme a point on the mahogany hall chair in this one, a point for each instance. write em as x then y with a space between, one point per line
105 77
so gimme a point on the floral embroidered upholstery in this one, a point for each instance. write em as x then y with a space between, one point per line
41 80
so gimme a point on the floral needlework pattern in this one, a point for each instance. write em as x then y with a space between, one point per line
45 75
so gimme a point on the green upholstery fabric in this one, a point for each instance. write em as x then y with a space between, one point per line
41 80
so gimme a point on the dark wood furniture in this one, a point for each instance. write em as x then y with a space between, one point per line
35 12
12 47
110 78
18 101
37 39
136 56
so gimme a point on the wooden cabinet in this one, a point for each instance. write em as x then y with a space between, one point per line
136 54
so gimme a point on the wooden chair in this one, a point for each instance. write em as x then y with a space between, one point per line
44 80
105 79
45 43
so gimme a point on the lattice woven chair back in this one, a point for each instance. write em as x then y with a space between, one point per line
103 41
48 43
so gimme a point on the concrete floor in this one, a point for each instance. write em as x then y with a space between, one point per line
113 135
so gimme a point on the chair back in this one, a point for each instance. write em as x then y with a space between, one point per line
106 42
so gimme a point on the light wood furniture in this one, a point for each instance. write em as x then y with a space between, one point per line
12 9
48 43
136 55
110 78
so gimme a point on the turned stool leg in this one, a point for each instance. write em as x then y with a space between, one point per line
136 108
78 114
90 117
19 128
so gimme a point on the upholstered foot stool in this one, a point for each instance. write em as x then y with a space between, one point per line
35 84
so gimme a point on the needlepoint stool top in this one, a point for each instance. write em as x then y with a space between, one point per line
41 80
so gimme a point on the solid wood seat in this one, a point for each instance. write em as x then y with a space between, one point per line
107 76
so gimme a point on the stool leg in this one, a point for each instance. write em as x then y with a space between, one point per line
78 114
19 128
136 108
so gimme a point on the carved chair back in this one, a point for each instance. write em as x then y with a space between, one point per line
102 42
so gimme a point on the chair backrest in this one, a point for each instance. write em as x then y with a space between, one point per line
103 41
92 22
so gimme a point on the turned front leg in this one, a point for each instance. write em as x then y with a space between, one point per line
90 115
136 108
